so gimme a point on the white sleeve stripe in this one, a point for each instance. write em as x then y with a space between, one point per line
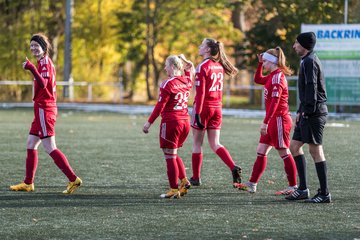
166 82
273 79
276 79
280 75
200 65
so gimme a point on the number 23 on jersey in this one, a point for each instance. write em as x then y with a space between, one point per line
217 82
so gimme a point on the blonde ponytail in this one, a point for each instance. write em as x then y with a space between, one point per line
230 69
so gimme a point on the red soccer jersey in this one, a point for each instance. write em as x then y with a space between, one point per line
275 92
46 96
209 85
173 100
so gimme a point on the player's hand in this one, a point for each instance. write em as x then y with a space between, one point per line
146 127
187 63
24 63
263 129
304 115
198 121
190 67
297 118
27 65
260 57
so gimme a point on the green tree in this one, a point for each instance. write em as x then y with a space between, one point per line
279 22
20 19
175 27
95 56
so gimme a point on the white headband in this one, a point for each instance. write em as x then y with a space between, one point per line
270 58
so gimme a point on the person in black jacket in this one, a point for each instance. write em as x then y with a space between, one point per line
310 120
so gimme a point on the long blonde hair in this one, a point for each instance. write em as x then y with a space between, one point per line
217 52
278 52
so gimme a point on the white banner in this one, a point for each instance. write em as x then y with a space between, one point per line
338 47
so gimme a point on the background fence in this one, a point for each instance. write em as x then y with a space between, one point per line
87 87
85 91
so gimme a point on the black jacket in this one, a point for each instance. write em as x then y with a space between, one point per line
311 85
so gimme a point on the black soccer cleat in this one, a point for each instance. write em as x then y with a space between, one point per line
236 173
299 195
319 198
195 182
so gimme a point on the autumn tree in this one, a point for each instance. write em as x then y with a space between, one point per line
278 22
175 27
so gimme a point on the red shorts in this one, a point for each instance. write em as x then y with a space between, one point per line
43 124
278 132
211 118
174 133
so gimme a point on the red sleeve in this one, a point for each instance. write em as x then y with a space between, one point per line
160 105
259 78
40 80
189 73
275 99
200 83
188 76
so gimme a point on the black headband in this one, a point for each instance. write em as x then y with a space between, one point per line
40 41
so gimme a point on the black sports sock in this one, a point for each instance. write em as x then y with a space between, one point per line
321 169
300 162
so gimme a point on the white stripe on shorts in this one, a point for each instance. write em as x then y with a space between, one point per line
42 122
280 131
192 119
163 131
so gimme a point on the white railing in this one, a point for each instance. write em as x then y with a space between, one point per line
72 84
119 87
259 88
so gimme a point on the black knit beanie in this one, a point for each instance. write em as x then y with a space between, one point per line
307 40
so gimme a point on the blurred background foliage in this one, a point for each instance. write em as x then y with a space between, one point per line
109 37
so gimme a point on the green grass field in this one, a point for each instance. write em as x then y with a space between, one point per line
124 173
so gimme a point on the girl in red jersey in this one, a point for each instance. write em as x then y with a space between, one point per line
275 129
207 113
175 125
42 129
